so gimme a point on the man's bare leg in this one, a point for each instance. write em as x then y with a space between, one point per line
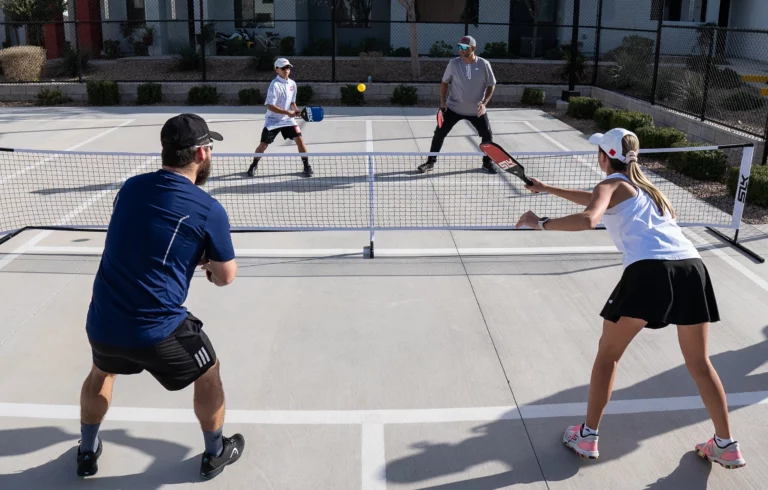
209 409
95 397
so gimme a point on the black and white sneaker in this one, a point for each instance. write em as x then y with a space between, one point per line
308 171
488 167
87 462
233 449
426 166
253 167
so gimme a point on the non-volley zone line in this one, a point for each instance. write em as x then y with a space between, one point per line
395 416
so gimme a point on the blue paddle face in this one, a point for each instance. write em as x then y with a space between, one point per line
312 114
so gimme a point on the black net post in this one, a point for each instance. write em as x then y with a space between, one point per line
333 40
657 55
202 40
765 142
574 44
77 43
597 40
571 92
708 71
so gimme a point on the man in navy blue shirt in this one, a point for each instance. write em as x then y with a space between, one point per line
163 226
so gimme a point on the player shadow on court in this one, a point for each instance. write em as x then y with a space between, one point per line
168 466
259 184
507 441
83 188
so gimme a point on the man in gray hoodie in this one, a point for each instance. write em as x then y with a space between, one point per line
471 83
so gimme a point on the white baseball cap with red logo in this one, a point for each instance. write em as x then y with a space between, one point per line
610 142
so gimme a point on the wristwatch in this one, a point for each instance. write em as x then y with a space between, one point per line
541 223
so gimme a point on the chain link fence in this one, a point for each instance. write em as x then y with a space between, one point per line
659 51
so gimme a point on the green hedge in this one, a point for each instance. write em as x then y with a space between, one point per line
149 93
102 92
603 117
632 121
757 188
533 96
250 96
203 95
351 96
653 137
405 95
608 119
700 165
583 107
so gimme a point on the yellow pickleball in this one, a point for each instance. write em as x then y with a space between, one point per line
361 87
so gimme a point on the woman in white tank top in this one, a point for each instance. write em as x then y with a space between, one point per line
664 282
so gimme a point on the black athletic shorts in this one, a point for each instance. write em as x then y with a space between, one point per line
176 361
664 292
288 132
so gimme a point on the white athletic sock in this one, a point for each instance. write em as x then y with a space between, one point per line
722 442
587 431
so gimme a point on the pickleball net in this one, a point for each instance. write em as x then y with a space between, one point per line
366 190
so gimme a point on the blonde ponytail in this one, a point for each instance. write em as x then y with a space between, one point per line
631 146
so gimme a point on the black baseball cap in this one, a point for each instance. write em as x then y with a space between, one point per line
185 131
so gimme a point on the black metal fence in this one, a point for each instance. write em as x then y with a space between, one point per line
648 49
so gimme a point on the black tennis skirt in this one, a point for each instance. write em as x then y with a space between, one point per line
664 292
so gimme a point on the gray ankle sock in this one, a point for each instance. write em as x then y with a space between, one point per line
214 444
90 437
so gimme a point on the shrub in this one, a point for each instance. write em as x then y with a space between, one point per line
603 117
351 96
203 95
22 63
554 54
441 49
140 49
265 60
401 53
652 137
73 62
630 120
533 96
48 97
757 187
495 50
102 92
405 95
250 96
304 94
583 107
701 165
288 46
742 100
726 78
111 49
188 59
149 93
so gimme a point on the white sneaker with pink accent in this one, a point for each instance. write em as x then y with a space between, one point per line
584 446
729 456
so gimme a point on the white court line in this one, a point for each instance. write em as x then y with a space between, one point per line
68 120
24 248
382 417
373 457
89 140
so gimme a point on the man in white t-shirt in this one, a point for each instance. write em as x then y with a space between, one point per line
281 109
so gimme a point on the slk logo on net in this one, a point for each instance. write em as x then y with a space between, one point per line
742 195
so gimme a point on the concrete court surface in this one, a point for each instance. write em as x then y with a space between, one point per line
444 363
